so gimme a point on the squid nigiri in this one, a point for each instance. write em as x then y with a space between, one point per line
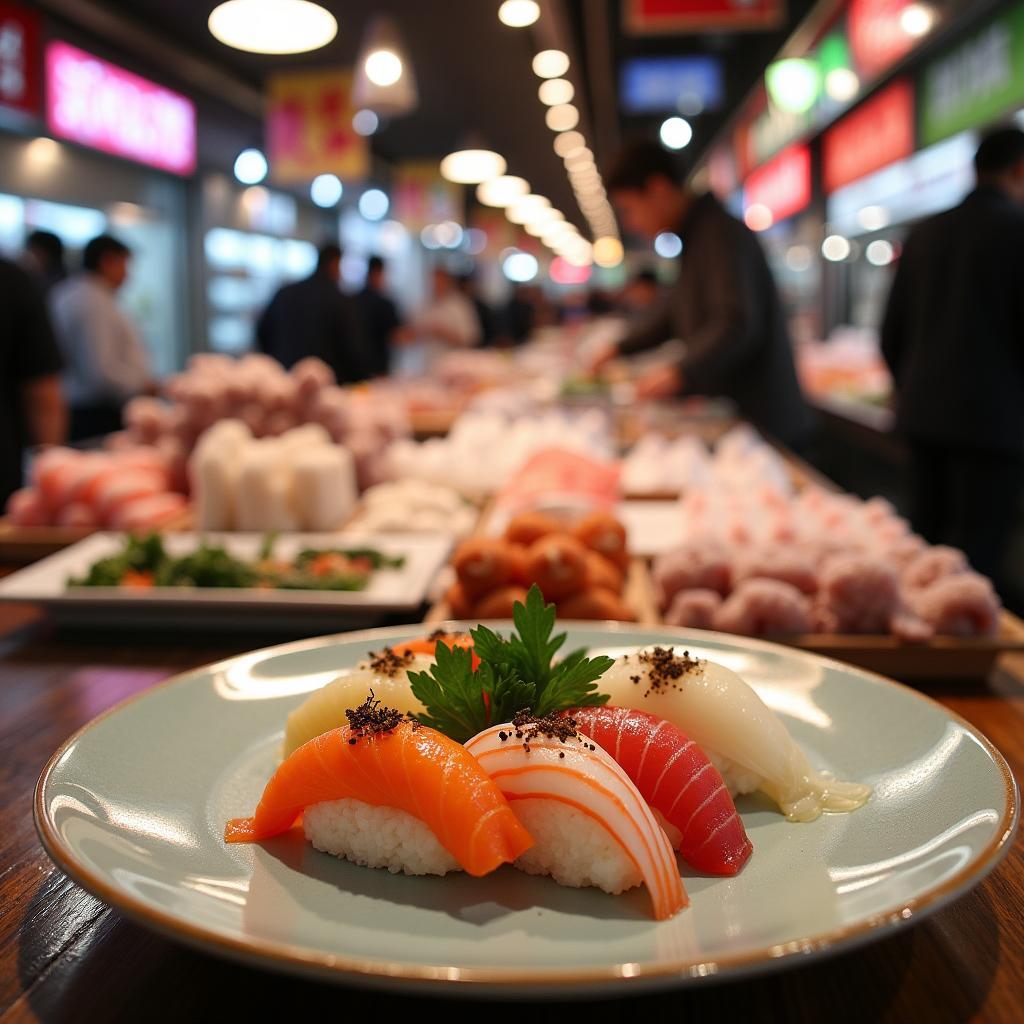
746 741
387 792
589 823
678 782
386 673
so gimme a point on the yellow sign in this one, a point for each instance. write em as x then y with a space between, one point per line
309 128
420 196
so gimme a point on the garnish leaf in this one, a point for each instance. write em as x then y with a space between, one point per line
460 702
573 684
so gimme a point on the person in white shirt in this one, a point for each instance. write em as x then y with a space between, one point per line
450 320
106 362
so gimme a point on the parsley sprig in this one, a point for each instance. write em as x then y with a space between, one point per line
514 674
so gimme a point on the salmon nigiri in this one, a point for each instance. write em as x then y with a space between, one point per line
590 824
384 791
678 781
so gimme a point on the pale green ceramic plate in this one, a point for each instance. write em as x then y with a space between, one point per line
133 807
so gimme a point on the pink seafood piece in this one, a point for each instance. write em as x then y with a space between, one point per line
694 608
692 567
77 514
964 604
764 607
860 592
125 487
932 564
148 512
27 508
789 565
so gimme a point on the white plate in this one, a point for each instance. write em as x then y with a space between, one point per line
389 590
133 807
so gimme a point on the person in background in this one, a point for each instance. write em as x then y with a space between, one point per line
953 336
723 306
106 362
450 319
484 314
520 314
32 409
312 317
44 259
379 317
640 294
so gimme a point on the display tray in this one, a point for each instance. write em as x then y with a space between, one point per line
399 590
943 657
22 545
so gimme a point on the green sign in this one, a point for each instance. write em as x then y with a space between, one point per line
977 82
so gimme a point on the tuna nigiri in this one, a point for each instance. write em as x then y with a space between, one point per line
747 743
589 823
387 792
678 781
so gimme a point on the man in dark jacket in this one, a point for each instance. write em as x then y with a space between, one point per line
32 408
723 307
953 336
380 319
312 317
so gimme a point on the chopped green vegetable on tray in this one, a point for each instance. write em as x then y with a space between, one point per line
144 563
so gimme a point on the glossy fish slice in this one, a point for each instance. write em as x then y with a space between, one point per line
676 779
412 768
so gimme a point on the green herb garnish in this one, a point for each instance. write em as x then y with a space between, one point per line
513 674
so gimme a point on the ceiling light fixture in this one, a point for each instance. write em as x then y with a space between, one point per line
555 91
521 211
562 118
384 81
472 166
272 26
502 191
550 64
518 13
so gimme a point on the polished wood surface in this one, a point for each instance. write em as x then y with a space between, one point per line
66 957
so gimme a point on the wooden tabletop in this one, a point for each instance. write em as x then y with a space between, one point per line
64 956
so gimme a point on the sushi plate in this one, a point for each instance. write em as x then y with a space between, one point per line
133 808
389 590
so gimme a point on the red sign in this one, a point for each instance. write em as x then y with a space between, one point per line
104 107
877 36
877 133
19 59
671 17
783 185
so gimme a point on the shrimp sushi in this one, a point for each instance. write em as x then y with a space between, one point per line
744 739
387 792
385 673
589 823
678 782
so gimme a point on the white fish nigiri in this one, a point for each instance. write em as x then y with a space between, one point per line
747 742
589 823
324 709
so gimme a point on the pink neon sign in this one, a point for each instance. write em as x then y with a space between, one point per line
97 104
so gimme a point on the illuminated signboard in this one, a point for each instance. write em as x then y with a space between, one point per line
671 17
99 105
981 80
654 85
782 186
19 59
877 133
